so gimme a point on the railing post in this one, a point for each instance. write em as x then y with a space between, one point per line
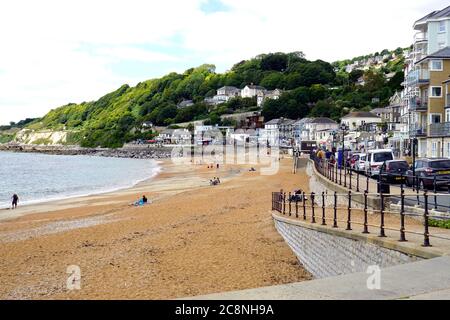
349 216
345 175
366 225
296 206
435 196
382 233
290 206
304 206
335 173
284 203
324 223
350 175
426 234
340 174
367 183
357 181
335 225
402 216
313 219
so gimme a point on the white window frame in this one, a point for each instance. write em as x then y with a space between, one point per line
447 115
434 149
436 60
431 92
442 24
431 117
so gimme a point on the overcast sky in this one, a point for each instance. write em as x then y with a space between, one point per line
53 52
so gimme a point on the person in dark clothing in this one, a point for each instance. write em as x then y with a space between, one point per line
144 199
15 201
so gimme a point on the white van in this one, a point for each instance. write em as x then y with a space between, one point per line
375 159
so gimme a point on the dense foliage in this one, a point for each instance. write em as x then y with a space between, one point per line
311 88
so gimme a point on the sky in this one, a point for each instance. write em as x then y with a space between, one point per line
55 52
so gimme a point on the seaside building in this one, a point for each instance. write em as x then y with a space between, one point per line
356 120
425 86
279 131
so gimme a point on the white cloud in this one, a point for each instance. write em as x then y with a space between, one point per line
54 52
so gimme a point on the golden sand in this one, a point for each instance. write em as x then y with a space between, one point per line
194 239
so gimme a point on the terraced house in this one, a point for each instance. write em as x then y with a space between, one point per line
427 85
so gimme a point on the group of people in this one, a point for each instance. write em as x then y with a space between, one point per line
211 166
324 153
214 182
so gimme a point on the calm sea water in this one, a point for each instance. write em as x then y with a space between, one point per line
39 177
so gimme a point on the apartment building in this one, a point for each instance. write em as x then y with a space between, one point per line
426 76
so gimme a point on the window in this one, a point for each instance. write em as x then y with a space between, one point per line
442 27
434 149
436 65
448 150
435 118
436 92
447 115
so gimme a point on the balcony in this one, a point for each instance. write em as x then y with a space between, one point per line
418 131
416 104
418 77
440 129
420 37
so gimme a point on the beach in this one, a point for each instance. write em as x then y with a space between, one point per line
193 239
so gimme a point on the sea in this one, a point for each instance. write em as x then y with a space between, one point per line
40 178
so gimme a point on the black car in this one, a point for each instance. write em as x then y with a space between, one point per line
394 171
430 171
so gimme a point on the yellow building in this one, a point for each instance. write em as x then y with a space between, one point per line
432 108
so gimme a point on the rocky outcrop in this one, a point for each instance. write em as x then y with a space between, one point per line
138 152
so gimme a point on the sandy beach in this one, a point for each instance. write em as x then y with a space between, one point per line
194 239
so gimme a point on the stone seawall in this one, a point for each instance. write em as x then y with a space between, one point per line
326 254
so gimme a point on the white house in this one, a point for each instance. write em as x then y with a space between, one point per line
354 120
279 130
251 91
229 91
268 94
181 136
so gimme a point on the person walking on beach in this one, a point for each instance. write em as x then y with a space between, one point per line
15 201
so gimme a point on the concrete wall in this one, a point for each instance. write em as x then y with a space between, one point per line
325 254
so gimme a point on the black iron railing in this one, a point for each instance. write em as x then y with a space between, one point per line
345 175
309 207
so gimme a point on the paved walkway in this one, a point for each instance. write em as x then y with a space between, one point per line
427 279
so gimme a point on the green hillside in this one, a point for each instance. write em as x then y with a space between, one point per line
312 88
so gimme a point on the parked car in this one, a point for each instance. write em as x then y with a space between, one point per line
361 163
395 170
375 159
357 161
428 170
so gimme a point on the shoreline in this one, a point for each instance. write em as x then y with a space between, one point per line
60 199
53 204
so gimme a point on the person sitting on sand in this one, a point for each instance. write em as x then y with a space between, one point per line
15 201
144 199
